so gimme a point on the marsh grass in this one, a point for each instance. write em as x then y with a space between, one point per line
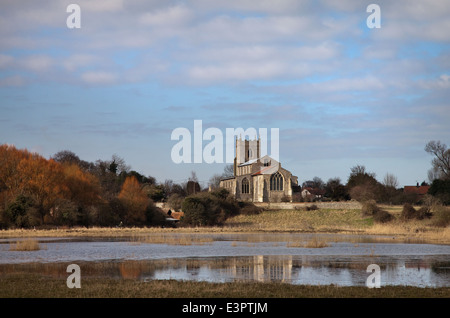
314 242
25 245
171 239
339 221
37 286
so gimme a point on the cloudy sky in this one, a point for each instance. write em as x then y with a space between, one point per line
340 92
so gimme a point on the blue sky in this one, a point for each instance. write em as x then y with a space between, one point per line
340 93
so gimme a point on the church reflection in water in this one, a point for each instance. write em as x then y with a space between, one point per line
261 268
432 271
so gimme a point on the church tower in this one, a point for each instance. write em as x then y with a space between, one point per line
246 150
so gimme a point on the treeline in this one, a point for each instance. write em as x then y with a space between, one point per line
64 190
67 191
363 186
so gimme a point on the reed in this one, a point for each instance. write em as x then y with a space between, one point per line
25 245
314 242
172 239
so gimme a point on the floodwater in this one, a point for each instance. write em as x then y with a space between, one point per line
241 257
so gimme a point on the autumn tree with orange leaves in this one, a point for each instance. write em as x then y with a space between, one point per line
135 201
35 191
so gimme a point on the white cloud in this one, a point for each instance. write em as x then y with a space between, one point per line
99 77
37 63
76 61
176 15
100 5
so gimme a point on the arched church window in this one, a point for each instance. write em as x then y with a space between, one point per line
245 186
276 182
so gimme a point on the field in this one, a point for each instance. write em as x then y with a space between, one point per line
338 221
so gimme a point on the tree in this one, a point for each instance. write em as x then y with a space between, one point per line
441 190
335 190
441 161
390 181
228 171
66 156
214 181
135 201
362 185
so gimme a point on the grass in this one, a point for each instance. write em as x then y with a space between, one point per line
25 245
345 221
171 239
38 286
314 242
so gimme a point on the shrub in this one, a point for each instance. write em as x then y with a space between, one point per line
370 208
154 216
382 216
311 208
409 212
200 210
248 208
441 216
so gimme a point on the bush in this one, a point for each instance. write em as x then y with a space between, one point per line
201 210
370 208
248 208
154 216
409 213
311 208
441 216
382 216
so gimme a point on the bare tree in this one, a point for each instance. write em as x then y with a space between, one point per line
390 181
214 181
193 176
441 161
228 171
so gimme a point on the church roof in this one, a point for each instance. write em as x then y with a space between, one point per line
256 160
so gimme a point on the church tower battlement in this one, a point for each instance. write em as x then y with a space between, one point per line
246 150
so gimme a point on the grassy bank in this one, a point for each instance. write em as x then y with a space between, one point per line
37 286
346 221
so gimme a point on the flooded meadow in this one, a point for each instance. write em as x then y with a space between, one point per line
294 258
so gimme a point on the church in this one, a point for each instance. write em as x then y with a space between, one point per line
256 178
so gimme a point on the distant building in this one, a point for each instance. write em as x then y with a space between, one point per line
256 178
311 193
418 190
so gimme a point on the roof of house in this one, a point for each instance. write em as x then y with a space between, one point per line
314 191
416 189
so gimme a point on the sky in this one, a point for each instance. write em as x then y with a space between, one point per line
341 93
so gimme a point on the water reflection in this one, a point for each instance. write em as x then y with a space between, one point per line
227 258
301 270
305 271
